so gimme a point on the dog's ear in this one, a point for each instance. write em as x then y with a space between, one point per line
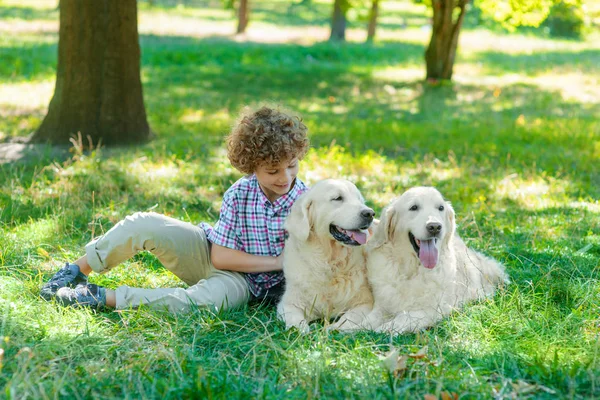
298 223
384 232
450 223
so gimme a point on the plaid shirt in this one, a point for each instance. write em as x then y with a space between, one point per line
251 223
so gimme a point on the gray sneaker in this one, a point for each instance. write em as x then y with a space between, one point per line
83 295
69 275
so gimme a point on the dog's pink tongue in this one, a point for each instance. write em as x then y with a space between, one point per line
428 253
360 237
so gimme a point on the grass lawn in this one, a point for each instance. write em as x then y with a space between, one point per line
514 143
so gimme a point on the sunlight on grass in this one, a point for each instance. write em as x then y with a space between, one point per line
172 25
152 171
335 162
482 40
512 143
25 97
168 178
584 88
475 345
37 231
403 74
37 4
533 193
192 116
147 272
435 170
592 207
344 364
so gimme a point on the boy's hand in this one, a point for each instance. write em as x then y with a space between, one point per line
224 258
280 262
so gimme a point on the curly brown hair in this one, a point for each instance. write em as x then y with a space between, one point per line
266 135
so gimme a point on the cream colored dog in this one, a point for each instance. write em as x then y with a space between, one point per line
419 269
324 260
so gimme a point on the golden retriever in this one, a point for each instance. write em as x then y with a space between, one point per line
419 269
324 260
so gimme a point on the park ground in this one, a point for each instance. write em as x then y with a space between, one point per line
514 143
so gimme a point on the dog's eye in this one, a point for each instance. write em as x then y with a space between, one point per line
414 207
339 198
441 208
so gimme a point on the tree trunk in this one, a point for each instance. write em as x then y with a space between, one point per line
98 89
441 51
338 20
243 13
373 20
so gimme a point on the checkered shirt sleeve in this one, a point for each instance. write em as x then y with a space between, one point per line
251 223
225 231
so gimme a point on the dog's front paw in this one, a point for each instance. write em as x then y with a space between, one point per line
344 326
395 327
302 326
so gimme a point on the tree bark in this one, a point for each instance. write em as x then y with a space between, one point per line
441 51
98 90
338 20
373 15
243 15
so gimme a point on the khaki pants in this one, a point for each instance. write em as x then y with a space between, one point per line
183 249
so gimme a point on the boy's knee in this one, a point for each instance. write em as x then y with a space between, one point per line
144 216
144 221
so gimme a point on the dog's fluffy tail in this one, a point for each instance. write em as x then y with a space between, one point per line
483 274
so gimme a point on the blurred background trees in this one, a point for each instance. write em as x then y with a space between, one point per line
98 91
98 88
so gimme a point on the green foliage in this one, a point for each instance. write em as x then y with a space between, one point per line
512 14
514 144
557 18
566 19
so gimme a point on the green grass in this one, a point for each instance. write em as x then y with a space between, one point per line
514 143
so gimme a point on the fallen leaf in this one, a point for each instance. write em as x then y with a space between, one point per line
522 387
390 361
389 89
422 353
449 396
394 364
401 367
430 397
42 252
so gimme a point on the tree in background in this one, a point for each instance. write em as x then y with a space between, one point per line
243 16
448 16
446 24
98 90
566 19
338 20
373 15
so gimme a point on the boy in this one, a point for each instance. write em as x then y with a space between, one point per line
225 266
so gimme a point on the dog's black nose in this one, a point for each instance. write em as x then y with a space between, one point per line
367 213
434 228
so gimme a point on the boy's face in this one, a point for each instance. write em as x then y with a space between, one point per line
276 180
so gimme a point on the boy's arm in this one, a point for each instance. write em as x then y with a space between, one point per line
237 260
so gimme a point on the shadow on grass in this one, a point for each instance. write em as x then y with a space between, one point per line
27 13
30 62
193 86
499 63
339 94
74 357
293 13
